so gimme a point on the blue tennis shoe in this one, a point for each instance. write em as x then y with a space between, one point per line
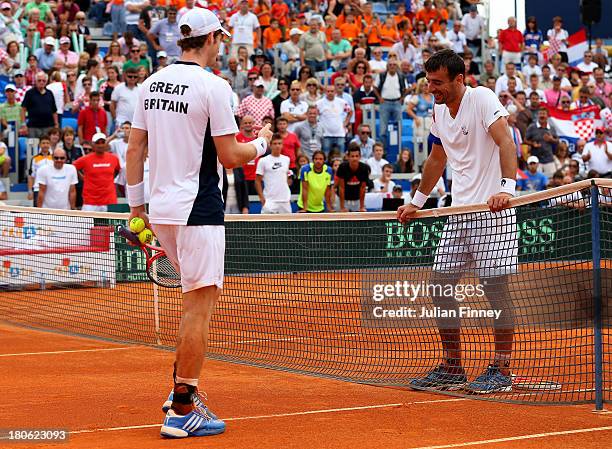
491 381
197 423
443 377
199 399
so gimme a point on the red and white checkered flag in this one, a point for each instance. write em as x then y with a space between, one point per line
553 47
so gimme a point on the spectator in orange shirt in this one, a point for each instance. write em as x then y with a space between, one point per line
272 36
388 33
371 24
401 18
431 16
330 26
350 30
280 12
262 11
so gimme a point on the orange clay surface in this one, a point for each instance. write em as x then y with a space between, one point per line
109 395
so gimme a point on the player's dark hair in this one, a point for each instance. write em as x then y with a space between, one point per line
281 119
388 166
45 137
543 109
130 70
193 43
447 59
276 136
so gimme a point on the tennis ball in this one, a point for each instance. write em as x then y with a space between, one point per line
145 237
137 225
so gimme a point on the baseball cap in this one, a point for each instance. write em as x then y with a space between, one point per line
10 87
258 83
416 178
533 159
599 129
201 22
473 8
295 31
98 136
5 5
162 54
343 66
17 73
49 40
64 40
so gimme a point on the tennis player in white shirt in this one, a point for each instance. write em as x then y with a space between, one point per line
470 131
184 121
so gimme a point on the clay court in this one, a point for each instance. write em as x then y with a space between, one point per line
109 395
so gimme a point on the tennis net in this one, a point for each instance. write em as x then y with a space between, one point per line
330 295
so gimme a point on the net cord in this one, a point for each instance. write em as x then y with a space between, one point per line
348 216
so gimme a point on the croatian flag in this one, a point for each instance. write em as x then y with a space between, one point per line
576 46
576 124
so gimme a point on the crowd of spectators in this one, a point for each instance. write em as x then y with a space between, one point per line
311 69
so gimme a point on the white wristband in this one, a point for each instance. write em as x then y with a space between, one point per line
419 199
261 145
136 194
508 186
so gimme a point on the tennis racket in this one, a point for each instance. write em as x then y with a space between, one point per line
534 384
159 268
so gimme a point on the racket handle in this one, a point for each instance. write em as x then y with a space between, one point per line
128 235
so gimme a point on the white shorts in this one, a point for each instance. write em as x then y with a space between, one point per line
272 207
484 243
197 252
92 208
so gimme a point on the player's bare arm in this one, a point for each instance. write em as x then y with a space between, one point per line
135 158
432 171
233 154
507 160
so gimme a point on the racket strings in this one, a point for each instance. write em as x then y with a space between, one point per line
163 272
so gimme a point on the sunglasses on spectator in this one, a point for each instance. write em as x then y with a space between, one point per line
86 84
72 74
365 132
131 76
311 85
565 102
252 79
295 88
59 158
86 149
135 51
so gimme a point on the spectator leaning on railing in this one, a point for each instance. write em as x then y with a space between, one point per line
316 180
99 169
273 171
57 183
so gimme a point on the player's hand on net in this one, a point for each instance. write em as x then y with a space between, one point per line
406 213
266 133
499 201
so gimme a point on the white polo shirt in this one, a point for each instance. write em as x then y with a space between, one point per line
471 151
298 108
57 183
599 159
243 27
182 107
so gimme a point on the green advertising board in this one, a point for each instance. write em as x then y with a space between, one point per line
294 246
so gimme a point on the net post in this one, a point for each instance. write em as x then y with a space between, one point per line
597 306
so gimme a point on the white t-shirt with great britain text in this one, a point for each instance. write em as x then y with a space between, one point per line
275 170
472 153
182 108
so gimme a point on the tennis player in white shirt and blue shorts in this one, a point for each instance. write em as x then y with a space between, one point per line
184 122
470 132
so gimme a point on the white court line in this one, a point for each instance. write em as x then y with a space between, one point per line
280 415
18 354
518 438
